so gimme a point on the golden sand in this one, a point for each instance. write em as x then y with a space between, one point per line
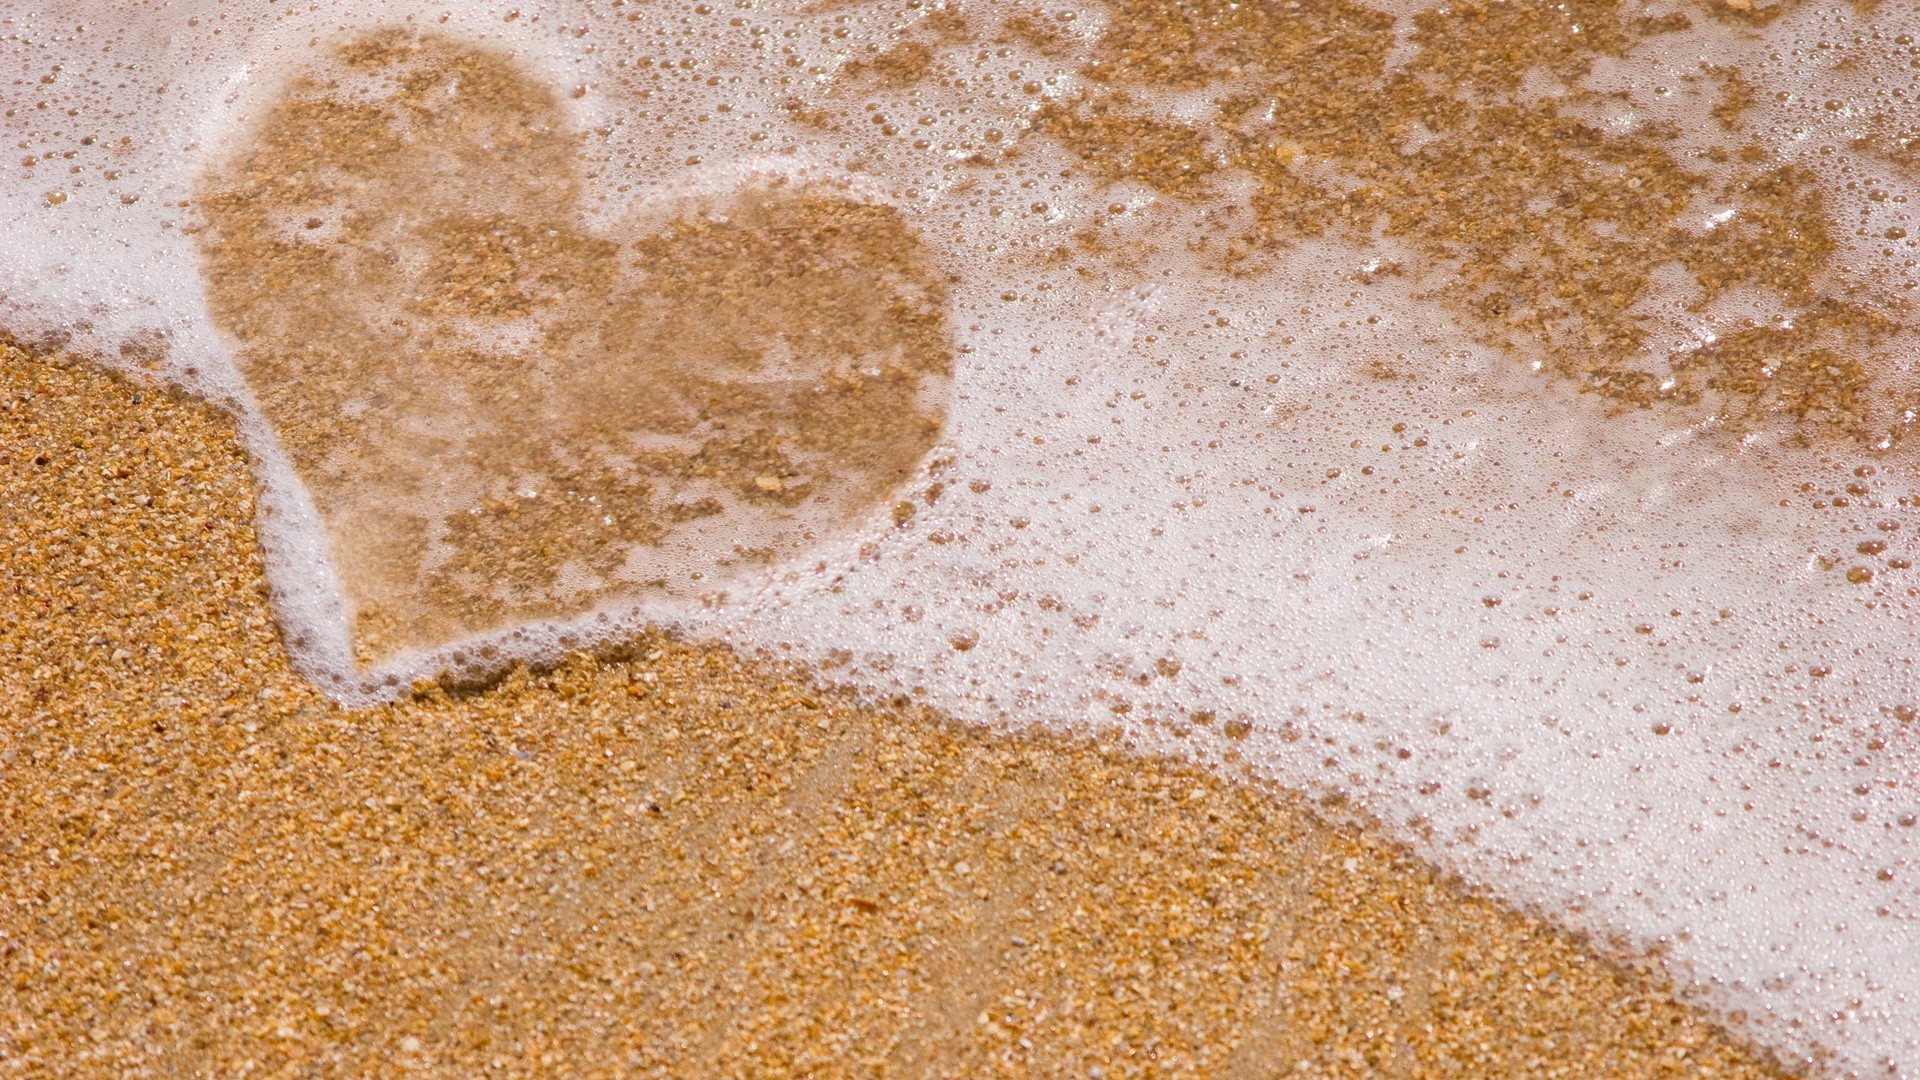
678 861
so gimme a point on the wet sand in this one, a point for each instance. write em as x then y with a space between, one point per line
676 861
504 414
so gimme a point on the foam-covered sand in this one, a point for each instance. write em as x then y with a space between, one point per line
670 861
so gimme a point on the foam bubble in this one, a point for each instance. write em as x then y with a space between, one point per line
1490 417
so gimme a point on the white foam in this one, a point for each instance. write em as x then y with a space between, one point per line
1518 640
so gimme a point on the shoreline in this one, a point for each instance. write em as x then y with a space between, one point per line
678 862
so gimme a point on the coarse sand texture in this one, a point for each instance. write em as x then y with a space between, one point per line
674 861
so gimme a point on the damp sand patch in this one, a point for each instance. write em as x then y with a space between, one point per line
505 415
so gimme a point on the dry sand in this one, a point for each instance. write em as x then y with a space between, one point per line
679 861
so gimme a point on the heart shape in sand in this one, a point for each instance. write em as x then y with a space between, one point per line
504 414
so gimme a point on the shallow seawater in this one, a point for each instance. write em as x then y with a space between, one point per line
1491 417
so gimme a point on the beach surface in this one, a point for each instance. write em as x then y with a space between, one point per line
674 860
